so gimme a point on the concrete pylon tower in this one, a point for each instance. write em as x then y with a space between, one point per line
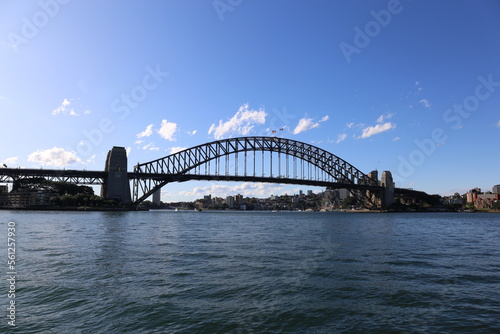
116 185
157 197
387 182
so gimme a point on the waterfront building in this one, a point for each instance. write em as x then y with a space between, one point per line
238 199
207 199
472 195
230 202
329 193
344 193
23 198
483 200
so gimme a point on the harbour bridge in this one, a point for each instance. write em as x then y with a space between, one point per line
250 159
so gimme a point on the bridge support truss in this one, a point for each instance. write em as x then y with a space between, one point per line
258 159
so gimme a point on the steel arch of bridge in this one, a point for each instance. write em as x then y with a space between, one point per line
151 176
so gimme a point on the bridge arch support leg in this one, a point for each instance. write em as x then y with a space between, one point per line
388 192
116 185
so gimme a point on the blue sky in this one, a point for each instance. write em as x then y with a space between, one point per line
407 86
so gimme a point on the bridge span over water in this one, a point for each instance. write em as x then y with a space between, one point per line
249 159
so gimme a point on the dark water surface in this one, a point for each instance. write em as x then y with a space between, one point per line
251 272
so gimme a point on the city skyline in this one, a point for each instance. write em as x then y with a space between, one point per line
368 82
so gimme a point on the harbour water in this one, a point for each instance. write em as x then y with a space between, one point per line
252 272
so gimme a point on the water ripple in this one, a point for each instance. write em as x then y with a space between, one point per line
237 272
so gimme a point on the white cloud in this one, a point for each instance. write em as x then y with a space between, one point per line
341 137
150 147
373 130
55 156
176 149
67 107
384 117
64 108
146 133
138 142
10 161
241 123
91 159
354 125
395 139
425 103
308 124
304 125
498 124
246 189
167 130
417 83
192 133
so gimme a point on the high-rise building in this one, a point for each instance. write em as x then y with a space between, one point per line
207 199
496 189
373 175
344 193
238 199
230 202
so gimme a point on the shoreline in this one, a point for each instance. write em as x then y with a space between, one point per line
102 209
77 209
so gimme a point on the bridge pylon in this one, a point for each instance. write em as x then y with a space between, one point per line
384 196
116 184
388 193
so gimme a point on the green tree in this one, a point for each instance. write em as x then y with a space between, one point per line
470 206
348 202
